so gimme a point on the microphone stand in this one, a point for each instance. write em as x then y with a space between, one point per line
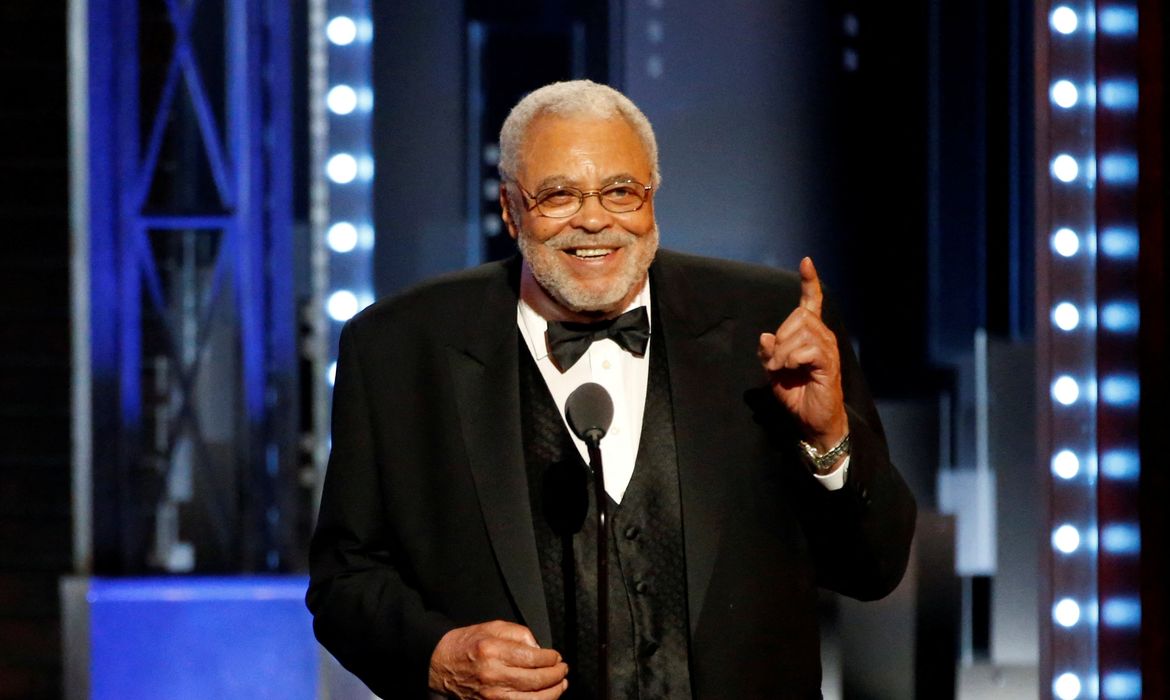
593 442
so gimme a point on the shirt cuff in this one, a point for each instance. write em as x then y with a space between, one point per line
835 479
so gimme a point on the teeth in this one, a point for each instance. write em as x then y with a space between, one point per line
591 252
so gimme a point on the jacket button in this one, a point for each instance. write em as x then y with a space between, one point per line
632 532
641 586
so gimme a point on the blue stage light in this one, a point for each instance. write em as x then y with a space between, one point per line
342 99
1121 390
342 237
342 168
1119 94
1122 685
1121 612
1119 242
1066 316
341 30
1121 538
1119 169
1064 94
1067 686
1065 390
1066 612
1065 464
1064 19
1066 539
1120 316
1122 465
1065 168
342 305
1066 242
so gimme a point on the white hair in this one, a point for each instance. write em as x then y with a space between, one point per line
572 98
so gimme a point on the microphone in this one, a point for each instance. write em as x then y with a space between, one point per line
589 411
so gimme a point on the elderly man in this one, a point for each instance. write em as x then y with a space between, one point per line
455 551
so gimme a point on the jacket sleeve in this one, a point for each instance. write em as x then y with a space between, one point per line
364 611
860 534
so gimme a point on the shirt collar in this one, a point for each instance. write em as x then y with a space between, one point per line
535 325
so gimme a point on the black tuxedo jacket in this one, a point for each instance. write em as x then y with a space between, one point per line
425 522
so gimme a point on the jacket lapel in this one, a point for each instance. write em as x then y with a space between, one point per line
485 369
697 336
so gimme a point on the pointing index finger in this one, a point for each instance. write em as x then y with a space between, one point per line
811 296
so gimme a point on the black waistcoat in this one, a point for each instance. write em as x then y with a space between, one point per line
648 652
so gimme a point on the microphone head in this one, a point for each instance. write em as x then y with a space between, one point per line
589 411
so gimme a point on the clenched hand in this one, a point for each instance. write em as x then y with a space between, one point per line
496 661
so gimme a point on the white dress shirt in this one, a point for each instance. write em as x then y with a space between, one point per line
624 376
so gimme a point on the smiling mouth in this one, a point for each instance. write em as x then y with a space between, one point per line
588 253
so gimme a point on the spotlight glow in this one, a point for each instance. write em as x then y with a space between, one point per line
1121 538
331 373
1065 464
342 237
1064 94
1066 612
1065 168
1122 685
341 30
1067 686
1064 19
1066 242
1066 539
1065 316
1065 390
1121 464
1120 316
1121 390
342 99
341 305
342 168
1121 612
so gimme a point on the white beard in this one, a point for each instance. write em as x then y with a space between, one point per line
554 277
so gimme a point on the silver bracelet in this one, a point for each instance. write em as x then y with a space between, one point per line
823 462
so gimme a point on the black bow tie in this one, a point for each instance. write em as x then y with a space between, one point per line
568 341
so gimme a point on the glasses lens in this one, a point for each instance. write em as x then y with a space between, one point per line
623 196
561 201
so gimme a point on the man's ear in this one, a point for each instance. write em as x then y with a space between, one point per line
506 212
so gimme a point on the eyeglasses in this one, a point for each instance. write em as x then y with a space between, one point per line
562 202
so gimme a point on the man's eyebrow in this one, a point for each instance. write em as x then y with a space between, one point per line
564 181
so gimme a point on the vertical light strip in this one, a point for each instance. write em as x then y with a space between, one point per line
341 94
1118 349
1066 325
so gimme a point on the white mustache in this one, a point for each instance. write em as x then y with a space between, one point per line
585 239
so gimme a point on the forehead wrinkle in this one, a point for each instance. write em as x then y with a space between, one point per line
565 181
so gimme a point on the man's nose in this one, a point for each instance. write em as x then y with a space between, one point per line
592 216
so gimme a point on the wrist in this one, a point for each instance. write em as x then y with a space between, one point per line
825 461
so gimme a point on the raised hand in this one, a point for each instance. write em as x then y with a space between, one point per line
496 660
804 367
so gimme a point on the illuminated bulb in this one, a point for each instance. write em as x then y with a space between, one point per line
1065 316
342 168
342 237
1066 613
1064 20
1065 464
1064 93
1067 686
1066 242
1066 538
341 30
342 305
1065 168
1066 390
342 100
